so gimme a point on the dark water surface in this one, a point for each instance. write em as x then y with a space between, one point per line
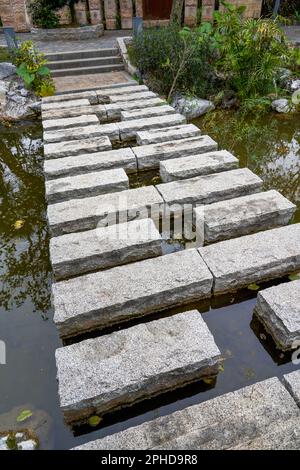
28 380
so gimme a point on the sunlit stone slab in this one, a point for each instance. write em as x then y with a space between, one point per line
77 147
83 214
114 110
131 365
66 123
125 292
279 309
244 215
220 423
85 163
84 132
65 104
85 185
155 136
197 165
104 95
292 383
147 112
128 129
149 156
105 247
65 113
87 94
265 255
143 95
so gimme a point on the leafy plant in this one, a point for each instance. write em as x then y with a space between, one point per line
43 14
297 16
25 414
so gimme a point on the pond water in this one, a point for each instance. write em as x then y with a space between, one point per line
28 380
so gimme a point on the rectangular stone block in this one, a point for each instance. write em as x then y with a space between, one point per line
84 132
76 147
110 12
292 383
143 95
104 247
279 310
90 95
85 163
147 112
216 424
150 156
65 113
65 104
125 292
114 110
67 123
128 129
104 95
156 136
126 11
210 188
243 215
197 165
137 363
85 185
253 258
87 213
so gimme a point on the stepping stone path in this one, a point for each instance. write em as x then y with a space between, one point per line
109 269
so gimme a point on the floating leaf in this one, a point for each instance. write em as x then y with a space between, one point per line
18 224
253 286
25 414
294 277
94 420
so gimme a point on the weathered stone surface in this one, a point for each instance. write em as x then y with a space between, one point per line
192 107
292 383
197 165
265 255
114 110
219 423
104 247
149 156
85 185
279 309
210 188
124 292
66 123
87 94
156 136
137 363
65 104
84 132
76 147
65 113
105 95
84 214
281 105
85 163
6 70
143 95
147 112
244 215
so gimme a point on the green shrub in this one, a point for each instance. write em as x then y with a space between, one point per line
43 14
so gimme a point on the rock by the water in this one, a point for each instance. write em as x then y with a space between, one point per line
281 105
294 85
192 107
6 70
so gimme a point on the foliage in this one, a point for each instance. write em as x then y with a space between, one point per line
25 414
31 67
43 15
294 61
287 7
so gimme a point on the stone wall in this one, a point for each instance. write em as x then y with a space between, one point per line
13 13
253 9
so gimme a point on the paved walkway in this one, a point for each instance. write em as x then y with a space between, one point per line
86 82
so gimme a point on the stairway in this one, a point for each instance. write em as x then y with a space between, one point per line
63 64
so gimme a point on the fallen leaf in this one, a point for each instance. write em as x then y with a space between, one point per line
19 224
253 286
94 420
25 414
294 277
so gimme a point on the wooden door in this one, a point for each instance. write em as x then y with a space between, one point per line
157 9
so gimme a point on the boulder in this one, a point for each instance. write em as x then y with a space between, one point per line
192 107
6 70
281 105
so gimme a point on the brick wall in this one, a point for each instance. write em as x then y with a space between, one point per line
253 9
13 13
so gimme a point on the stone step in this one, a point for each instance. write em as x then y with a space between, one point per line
150 156
197 165
67 123
155 136
253 258
83 62
66 113
104 247
216 424
85 163
84 214
137 363
64 104
210 188
125 292
91 95
244 215
128 129
87 70
279 310
147 112
104 95
84 132
143 95
81 54
76 147
113 110
85 185
292 383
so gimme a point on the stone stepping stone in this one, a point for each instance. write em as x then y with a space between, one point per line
85 163
105 95
125 292
155 136
116 370
143 95
105 247
97 109
243 215
278 308
84 214
292 383
85 185
65 104
76 147
210 188
147 112
128 129
220 423
67 123
253 258
113 110
150 156
90 95
197 165
85 132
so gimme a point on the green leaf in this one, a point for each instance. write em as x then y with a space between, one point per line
253 286
25 414
94 420
44 70
294 277
23 72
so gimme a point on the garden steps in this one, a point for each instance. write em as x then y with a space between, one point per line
67 123
155 136
84 132
147 113
76 147
84 62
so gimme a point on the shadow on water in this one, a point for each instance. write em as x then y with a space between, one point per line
29 377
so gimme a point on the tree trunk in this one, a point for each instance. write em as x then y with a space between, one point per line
176 13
